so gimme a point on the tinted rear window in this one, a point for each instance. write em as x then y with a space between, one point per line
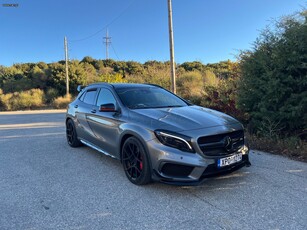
89 97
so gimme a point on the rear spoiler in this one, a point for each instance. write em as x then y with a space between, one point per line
80 88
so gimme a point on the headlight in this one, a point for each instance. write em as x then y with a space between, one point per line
175 140
245 148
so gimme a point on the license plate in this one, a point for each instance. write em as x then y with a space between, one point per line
229 160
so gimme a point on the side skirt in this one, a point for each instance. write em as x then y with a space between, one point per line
96 148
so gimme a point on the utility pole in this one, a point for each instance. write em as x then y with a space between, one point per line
107 41
171 44
66 65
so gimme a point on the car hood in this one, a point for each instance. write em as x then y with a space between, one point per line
180 119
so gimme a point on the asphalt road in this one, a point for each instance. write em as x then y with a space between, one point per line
45 184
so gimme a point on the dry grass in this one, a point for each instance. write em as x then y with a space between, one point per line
61 102
291 147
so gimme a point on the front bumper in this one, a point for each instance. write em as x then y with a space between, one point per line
173 166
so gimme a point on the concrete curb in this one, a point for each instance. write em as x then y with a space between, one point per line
33 111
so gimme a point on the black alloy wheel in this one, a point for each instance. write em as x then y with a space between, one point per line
71 134
135 162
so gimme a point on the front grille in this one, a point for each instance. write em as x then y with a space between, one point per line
221 144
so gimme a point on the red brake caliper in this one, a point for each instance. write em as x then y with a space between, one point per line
141 164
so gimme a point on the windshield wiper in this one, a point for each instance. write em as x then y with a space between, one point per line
139 106
153 107
169 106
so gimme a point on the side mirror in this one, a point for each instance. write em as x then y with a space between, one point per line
80 88
110 107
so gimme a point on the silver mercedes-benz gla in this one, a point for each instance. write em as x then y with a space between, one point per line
155 134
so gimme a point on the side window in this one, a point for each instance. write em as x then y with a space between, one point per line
105 97
89 97
81 98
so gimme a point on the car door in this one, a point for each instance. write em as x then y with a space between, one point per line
84 108
105 125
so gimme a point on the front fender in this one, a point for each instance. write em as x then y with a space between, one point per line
144 135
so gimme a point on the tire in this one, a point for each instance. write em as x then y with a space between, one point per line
71 134
135 162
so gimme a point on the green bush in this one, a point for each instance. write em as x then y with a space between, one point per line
51 94
274 78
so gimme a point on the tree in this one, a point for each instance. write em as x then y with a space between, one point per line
14 79
57 77
88 59
134 67
274 77
38 77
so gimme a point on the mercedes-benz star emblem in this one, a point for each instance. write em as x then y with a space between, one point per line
227 143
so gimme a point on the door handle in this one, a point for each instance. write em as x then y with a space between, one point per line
93 111
76 106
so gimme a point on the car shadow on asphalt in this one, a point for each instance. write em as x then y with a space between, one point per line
226 182
218 183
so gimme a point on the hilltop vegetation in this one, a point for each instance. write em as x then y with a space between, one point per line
49 79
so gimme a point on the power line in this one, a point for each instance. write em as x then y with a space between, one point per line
115 52
107 25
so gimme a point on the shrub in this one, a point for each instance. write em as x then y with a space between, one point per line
113 78
210 78
61 102
51 94
190 84
5 101
153 73
30 99
292 146
220 94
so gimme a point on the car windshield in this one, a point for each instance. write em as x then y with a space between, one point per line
148 97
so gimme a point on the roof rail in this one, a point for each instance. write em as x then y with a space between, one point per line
154 85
